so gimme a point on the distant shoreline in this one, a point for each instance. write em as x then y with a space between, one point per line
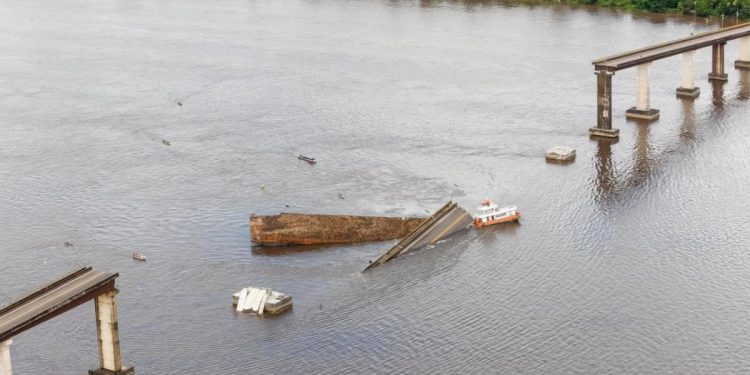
698 8
740 11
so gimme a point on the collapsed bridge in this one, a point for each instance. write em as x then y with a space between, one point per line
447 220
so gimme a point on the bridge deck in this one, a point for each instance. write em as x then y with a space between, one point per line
52 300
447 220
671 48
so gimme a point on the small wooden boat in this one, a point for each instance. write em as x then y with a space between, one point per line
139 256
307 159
489 214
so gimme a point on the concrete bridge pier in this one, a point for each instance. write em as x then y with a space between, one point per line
688 89
109 336
717 63
5 367
604 106
744 61
642 109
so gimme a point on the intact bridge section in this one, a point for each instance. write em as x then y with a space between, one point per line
642 59
56 298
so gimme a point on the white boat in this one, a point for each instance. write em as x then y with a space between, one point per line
488 214
139 256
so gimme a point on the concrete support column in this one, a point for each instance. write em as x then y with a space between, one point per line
642 109
108 335
604 106
106 331
717 63
5 367
643 87
744 60
688 89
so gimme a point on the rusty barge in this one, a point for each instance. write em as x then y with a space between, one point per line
314 229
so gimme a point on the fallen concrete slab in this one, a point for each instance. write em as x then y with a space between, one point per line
447 220
261 300
307 229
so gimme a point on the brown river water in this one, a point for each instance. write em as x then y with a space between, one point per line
632 260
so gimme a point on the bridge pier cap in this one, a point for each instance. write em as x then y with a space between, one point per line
123 371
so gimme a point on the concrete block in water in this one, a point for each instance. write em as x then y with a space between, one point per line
261 300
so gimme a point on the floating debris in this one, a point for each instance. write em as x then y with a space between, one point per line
341 195
179 103
262 187
489 214
306 158
139 256
166 142
561 153
68 244
261 300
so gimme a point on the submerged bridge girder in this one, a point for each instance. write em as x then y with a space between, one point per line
445 221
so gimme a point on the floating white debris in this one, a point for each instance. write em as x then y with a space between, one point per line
561 153
261 300
241 299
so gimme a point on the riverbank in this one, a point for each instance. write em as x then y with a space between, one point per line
732 11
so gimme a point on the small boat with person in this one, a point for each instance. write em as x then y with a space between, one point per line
489 214
139 256
306 158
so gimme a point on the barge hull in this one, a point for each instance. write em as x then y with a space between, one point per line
312 229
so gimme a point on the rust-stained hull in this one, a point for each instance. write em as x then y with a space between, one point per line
478 223
306 229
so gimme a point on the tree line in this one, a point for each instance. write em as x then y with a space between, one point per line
702 8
